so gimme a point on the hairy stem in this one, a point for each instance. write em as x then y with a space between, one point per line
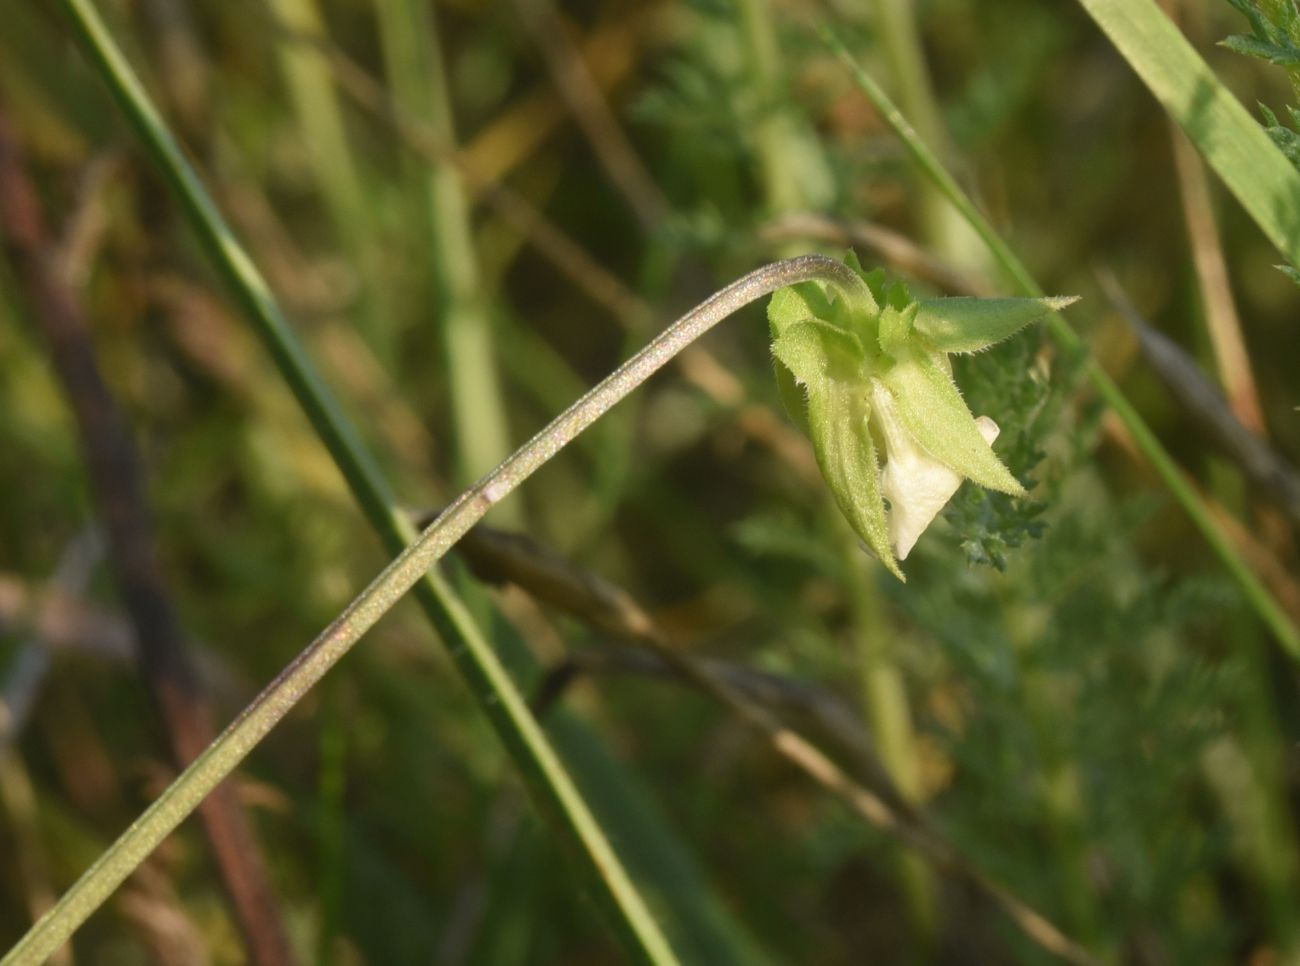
257 720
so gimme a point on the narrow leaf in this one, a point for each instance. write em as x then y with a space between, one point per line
1265 183
797 303
1283 56
1288 141
792 397
934 413
1289 272
971 324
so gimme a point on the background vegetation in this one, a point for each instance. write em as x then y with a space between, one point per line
472 211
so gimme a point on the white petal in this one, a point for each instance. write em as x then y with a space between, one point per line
916 486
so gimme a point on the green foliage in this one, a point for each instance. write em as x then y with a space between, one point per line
1275 32
1284 137
1078 725
1013 377
1068 698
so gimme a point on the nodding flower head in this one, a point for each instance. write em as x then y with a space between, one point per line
868 371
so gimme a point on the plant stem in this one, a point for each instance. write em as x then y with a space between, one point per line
888 712
779 186
257 720
324 136
942 225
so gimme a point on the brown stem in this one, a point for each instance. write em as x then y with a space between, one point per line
115 474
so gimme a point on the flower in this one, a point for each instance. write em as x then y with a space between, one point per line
868 369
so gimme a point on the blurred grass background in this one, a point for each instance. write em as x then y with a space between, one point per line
1098 724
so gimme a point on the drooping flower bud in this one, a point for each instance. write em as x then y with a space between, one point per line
844 368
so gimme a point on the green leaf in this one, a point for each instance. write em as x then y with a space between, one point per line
1289 272
1263 24
898 296
1265 183
792 397
860 314
1287 140
1282 55
970 324
875 278
932 410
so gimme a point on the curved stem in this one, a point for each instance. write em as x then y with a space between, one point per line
269 707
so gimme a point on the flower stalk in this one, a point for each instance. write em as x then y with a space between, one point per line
842 293
238 740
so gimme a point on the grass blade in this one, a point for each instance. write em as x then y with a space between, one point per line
417 74
1255 593
1265 183
336 172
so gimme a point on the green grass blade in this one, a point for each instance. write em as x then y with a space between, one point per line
1256 594
418 76
488 680
1265 183
324 135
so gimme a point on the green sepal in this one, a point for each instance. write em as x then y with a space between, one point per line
797 303
934 413
895 329
861 316
898 296
875 278
828 363
838 413
816 351
970 324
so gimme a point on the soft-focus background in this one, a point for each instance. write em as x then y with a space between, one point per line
1068 688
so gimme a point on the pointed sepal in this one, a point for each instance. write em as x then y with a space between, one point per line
797 303
895 331
815 351
838 414
931 408
787 307
970 324
827 363
916 485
